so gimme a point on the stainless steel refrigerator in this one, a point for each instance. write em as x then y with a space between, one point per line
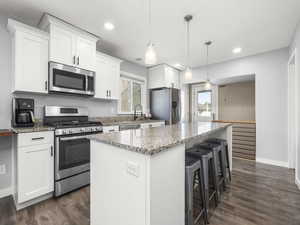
165 104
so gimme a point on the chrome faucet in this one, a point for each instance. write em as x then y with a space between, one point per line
135 111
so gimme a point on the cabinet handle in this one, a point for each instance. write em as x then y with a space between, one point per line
74 59
51 150
46 85
106 93
38 138
77 60
109 93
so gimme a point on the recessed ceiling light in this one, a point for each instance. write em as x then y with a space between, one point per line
109 26
237 50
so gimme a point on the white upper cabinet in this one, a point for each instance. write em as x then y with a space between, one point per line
163 76
62 47
29 58
107 77
70 45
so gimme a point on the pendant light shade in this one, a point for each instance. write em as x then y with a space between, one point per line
150 55
188 74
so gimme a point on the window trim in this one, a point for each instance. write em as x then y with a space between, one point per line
137 79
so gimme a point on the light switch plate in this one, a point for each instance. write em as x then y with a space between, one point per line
133 169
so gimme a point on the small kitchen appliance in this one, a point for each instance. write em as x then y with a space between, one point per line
23 112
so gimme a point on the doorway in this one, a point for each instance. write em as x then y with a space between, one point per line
203 97
292 111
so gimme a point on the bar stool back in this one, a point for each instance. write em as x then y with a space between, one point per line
225 149
220 163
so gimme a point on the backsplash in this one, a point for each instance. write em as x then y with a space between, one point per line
97 107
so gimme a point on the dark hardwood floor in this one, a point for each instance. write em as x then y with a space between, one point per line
259 195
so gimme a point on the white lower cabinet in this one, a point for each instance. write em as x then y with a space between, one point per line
35 165
155 124
108 129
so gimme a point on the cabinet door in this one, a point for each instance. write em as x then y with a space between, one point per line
108 129
171 77
145 125
86 54
114 80
35 171
30 63
102 77
62 46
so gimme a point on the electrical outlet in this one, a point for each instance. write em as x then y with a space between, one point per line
2 169
133 169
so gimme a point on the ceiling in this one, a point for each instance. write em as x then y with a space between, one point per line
254 25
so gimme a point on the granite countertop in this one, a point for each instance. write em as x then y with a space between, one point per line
36 128
154 140
130 122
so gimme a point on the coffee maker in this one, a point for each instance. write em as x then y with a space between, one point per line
23 112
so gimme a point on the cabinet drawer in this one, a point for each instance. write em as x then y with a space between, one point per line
159 124
107 129
35 138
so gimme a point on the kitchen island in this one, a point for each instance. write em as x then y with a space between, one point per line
138 176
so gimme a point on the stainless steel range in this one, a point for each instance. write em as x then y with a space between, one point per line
72 147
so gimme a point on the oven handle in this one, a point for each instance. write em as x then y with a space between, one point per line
72 138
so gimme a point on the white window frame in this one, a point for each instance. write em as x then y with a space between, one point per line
137 79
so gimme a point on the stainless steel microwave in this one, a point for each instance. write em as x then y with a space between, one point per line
72 80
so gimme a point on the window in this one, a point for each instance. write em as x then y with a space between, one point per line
204 106
132 93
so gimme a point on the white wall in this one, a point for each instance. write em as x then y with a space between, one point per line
270 71
96 107
296 45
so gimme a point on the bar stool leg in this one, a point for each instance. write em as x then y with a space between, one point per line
189 197
215 181
228 162
202 195
204 170
215 174
223 167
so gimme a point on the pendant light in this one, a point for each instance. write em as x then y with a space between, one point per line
188 74
150 55
208 43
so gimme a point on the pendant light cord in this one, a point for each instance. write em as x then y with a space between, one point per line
208 43
188 43
207 62
149 20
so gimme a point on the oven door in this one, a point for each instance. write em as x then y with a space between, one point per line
72 156
68 79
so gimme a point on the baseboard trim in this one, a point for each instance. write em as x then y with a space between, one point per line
298 183
273 162
5 192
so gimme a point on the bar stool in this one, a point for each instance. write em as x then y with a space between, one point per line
207 167
219 159
193 168
225 149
